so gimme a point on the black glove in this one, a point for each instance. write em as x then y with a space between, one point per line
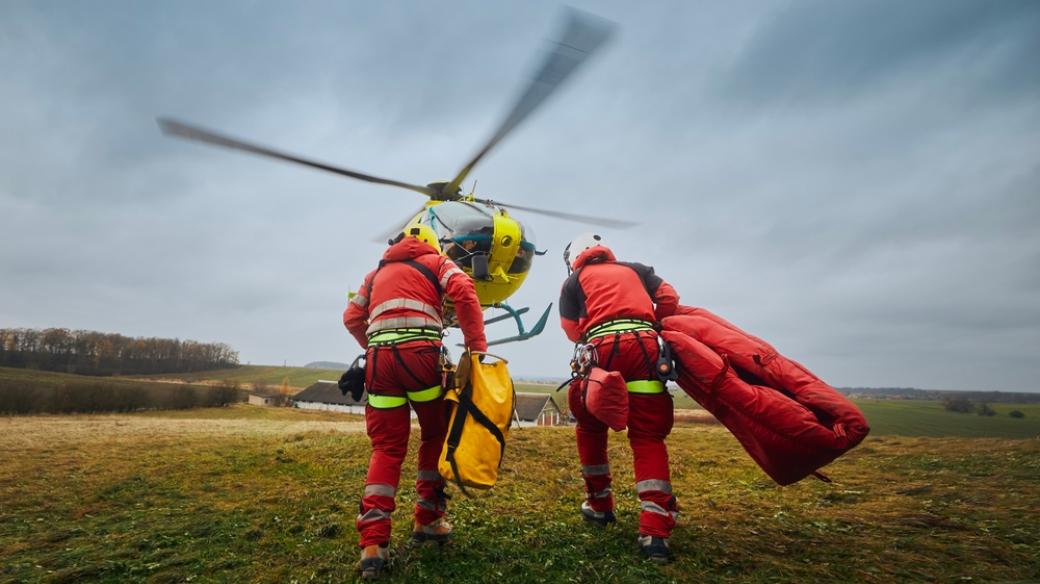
353 381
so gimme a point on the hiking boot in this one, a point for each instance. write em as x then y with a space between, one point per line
373 561
438 531
600 518
655 549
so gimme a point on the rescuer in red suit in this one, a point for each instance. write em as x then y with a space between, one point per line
615 306
397 317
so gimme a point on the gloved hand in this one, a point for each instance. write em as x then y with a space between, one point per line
353 381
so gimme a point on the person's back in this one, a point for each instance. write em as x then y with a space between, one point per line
397 316
615 307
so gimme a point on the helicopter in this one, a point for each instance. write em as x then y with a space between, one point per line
478 234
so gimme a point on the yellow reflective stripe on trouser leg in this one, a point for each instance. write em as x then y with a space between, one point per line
425 395
645 386
385 402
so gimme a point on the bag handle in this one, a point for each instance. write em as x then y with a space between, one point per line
485 353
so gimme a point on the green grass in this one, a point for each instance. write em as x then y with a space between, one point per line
229 496
247 375
929 418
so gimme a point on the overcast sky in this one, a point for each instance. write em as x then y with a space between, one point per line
856 182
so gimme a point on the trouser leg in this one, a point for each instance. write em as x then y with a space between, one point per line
431 503
649 423
592 452
388 431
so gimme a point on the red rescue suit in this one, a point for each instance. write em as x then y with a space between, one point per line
615 306
397 317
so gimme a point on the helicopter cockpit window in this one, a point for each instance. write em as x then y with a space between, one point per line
464 230
522 260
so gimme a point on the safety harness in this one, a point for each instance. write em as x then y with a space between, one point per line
388 333
617 328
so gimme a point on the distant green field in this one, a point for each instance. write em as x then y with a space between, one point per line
928 418
905 417
247 375
35 376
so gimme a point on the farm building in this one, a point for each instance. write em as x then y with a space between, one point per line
537 409
266 399
326 395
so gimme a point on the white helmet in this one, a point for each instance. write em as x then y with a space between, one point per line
578 245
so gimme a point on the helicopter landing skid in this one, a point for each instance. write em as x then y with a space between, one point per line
522 333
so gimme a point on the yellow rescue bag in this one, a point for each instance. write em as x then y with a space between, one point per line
481 413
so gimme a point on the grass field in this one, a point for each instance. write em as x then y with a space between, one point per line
247 375
269 495
929 418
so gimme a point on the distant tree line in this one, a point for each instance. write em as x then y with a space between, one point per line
86 395
966 406
94 353
941 394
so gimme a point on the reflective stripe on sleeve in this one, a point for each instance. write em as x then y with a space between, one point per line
385 402
654 485
425 395
649 386
452 270
360 300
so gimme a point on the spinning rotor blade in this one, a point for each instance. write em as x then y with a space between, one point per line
175 128
583 34
601 221
392 232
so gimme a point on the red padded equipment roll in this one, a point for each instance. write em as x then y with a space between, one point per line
789 421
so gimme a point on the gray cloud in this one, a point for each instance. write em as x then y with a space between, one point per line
820 50
854 182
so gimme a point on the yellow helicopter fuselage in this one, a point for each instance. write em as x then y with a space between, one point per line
471 233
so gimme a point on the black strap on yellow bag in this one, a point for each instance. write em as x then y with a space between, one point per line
482 411
466 408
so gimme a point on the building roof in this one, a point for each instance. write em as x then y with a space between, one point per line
328 392
531 405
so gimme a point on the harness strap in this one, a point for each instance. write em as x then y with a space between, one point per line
645 386
407 369
618 325
391 336
614 350
386 402
403 322
651 370
413 264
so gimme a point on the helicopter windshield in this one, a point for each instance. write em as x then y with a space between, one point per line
463 229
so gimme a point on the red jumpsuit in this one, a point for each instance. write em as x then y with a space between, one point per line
397 317
615 307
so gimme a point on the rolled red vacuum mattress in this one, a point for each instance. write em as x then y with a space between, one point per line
786 418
